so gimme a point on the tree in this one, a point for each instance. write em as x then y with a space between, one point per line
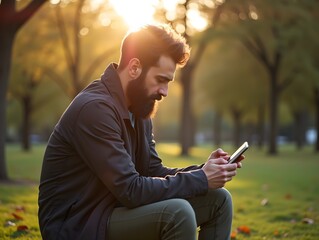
74 21
298 97
316 96
183 24
26 73
74 27
228 80
304 97
271 31
24 93
11 21
314 60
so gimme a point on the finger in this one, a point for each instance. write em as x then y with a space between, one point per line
219 161
239 165
227 179
231 167
230 176
218 153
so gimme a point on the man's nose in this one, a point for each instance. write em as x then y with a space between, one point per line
163 91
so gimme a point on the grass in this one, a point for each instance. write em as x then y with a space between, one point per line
20 197
273 196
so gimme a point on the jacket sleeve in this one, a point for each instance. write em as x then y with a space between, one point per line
98 140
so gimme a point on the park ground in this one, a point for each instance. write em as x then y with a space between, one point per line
275 197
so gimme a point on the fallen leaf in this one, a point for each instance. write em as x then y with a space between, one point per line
288 196
276 233
20 209
16 216
22 228
264 202
233 235
9 224
244 229
308 221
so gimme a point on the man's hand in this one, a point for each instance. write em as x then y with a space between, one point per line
217 171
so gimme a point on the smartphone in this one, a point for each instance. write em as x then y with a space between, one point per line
235 156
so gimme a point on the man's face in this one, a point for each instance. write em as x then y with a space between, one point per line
144 91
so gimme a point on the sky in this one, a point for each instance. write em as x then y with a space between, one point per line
140 12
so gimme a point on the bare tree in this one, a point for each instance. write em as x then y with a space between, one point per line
69 25
11 21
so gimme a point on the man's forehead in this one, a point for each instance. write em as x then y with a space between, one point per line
165 67
167 77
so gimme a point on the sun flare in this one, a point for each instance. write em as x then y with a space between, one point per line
135 13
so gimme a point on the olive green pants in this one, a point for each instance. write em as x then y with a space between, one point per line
175 219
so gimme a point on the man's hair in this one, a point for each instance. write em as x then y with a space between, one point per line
152 41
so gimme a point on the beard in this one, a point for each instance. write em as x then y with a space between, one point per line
142 105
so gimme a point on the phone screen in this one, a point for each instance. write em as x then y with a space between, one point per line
234 157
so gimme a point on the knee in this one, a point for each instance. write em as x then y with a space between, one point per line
221 199
181 207
222 194
182 212
181 222
226 195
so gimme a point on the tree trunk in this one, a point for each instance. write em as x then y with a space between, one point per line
186 131
250 130
237 127
217 127
273 116
26 123
317 118
300 128
6 42
261 125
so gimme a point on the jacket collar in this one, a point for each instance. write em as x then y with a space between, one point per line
111 80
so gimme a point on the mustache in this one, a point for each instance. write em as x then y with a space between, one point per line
157 97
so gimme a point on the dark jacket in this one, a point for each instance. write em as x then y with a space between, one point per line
96 160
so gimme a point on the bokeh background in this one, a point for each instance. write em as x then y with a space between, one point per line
253 74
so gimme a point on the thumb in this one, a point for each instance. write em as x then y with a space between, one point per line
218 153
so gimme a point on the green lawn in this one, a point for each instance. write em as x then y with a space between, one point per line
274 197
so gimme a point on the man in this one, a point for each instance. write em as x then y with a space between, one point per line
101 176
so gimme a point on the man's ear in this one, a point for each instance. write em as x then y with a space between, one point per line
134 68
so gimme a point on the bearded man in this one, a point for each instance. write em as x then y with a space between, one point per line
102 177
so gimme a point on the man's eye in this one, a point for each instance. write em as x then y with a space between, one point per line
160 80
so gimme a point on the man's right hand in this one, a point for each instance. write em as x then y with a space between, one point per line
218 172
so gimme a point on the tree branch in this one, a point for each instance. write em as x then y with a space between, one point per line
203 43
77 46
262 49
88 73
76 28
25 14
7 10
258 51
288 80
56 78
64 38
